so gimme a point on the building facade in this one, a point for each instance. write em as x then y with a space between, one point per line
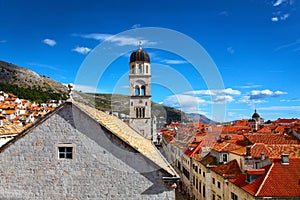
70 155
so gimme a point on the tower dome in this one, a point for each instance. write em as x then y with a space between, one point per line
255 115
139 56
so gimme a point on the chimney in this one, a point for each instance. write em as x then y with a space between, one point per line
263 156
248 151
285 159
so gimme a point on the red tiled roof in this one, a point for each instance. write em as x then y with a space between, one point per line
257 149
225 147
281 180
281 128
229 169
286 120
251 188
275 151
272 138
243 122
256 171
193 149
265 129
241 151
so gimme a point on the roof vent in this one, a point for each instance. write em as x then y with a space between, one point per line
248 151
285 159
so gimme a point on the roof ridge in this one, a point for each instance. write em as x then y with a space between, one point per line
265 179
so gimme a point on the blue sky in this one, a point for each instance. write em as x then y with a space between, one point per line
255 45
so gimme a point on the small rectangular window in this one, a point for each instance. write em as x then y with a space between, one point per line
213 180
219 184
234 196
225 158
65 152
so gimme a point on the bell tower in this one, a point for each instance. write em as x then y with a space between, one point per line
140 92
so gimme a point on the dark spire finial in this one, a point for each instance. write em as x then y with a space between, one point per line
140 44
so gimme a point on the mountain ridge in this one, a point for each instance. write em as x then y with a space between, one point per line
18 78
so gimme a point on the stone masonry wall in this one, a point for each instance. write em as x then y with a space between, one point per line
102 167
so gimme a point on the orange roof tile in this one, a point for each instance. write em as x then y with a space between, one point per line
265 129
275 151
225 147
229 169
281 180
272 138
257 149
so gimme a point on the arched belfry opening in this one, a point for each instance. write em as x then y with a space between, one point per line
140 92
143 90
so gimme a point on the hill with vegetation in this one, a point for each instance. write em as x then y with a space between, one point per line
26 84
120 103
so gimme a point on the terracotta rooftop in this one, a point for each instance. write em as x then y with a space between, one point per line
258 148
241 151
128 135
193 149
281 180
265 129
286 120
230 169
251 188
275 151
226 146
272 138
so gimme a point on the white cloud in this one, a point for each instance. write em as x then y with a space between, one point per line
224 13
81 50
258 96
249 101
250 86
136 26
186 103
280 2
49 42
174 62
284 16
223 99
279 16
261 94
118 40
227 91
230 50
273 108
290 100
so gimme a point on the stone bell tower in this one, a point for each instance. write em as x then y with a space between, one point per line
140 92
